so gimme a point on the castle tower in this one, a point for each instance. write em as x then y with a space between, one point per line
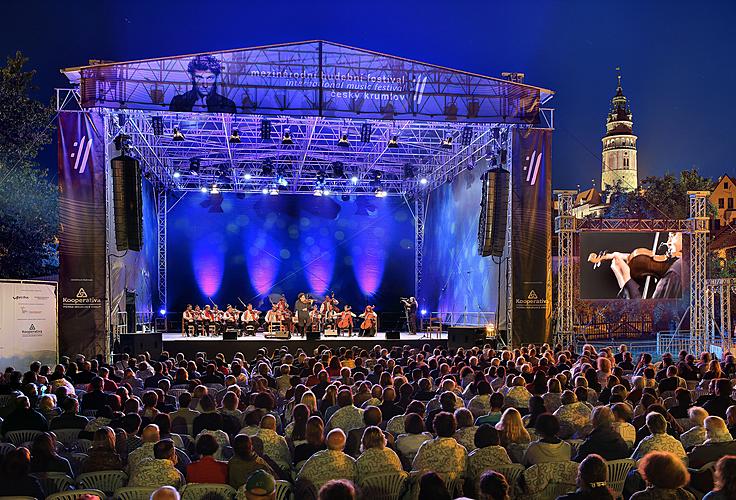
619 145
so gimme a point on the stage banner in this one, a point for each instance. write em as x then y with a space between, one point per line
314 78
531 240
82 240
27 323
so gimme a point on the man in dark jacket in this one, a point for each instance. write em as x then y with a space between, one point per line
204 71
24 418
603 441
69 419
719 404
97 399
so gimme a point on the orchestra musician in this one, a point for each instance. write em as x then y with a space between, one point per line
301 312
273 315
197 321
187 320
217 318
315 318
345 320
230 317
285 315
370 322
250 318
329 310
208 319
410 306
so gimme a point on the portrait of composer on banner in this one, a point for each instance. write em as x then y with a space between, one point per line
204 71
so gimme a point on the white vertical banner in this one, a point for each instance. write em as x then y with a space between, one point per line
28 323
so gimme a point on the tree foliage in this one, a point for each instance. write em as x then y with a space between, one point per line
29 215
658 197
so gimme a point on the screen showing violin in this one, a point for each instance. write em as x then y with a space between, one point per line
621 265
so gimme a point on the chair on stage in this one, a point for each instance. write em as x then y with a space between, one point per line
189 330
434 327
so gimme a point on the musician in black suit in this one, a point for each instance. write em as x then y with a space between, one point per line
205 73
301 310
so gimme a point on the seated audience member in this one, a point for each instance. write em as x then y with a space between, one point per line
432 487
314 440
549 447
665 476
160 470
488 452
328 464
182 420
275 447
207 469
622 423
658 440
724 478
517 395
494 414
372 416
718 442
603 440
375 457
16 476
480 404
348 416
149 437
23 417
44 457
103 454
408 444
465 433
718 405
337 489
244 461
165 493
591 481
442 454
696 434
259 485
208 419
69 418
511 428
493 486
572 415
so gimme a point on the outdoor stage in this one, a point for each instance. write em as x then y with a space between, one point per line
189 346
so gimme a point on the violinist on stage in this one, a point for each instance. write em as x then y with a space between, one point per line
301 312
208 318
230 317
329 310
667 267
315 318
187 320
250 318
217 318
370 322
273 315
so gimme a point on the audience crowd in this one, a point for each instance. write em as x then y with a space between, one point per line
479 422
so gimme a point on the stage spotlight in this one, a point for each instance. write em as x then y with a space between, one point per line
466 136
393 142
267 168
409 171
265 130
354 179
214 189
424 312
203 189
264 190
344 142
380 193
194 165
162 311
317 192
286 140
234 137
274 191
157 124
366 130
423 181
345 197
177 174
338 169
247 177
447 142
326 191
177 135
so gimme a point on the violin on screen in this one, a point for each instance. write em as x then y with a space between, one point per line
642 262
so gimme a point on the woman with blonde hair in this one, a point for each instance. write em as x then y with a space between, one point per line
310 401
716 430
552 397
511 428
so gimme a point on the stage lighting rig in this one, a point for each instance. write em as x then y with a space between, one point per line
157 124
286 140
366 130
265 130
177 135
466 136
203 189
281 176
177 174
247 177
447 142
320 177
194 165
267 168
234 137
122 142
409 172
214 189
354 179
344 142
338 169
393 142
423 181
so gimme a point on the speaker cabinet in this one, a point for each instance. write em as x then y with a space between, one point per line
393 335
313 336
493 212
465 336
127 204
136 343
230 335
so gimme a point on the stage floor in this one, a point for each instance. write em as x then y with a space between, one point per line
189 346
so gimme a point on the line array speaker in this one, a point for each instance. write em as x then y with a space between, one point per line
126 195
493 212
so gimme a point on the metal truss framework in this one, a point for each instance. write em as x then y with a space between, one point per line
565 227
420 217
161 213
701 302
716 325
636 225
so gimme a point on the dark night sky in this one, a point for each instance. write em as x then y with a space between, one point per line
677 57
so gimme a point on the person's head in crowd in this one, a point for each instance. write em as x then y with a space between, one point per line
601 417
723 387
716 430
43 448
568 397
683 397
554 386
444 424
207 445
336 440
165 450
497 401
493 486
314 432
372 416
548 426
622 412
464 418
593 478
337 489
260 485
697 416
448 401
373 438
104 439
432 487
485 436
512 427
268 422
165 493
413 424
724 477
131 423
656 423
663 470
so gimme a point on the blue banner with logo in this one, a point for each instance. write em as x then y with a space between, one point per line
82 239
531 244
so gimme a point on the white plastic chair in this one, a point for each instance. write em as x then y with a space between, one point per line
108 481
195 491
66 436
54 482
386 486
283 490
134 493
73 494
23 436
617 472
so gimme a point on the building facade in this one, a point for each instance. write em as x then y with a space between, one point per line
723 198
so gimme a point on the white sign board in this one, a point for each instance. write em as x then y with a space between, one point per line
28 324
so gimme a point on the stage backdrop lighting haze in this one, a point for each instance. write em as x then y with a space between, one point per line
126 188
493 213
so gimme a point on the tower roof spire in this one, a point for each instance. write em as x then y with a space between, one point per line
620 110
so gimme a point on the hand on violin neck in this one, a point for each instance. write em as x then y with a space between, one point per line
620 268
